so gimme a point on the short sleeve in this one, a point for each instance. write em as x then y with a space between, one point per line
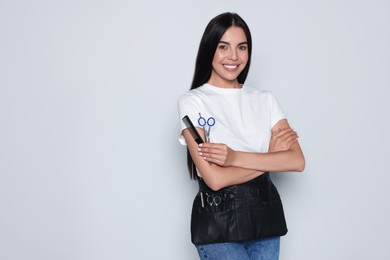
190 105
275 109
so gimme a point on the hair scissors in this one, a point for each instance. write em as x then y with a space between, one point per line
203 122
213 200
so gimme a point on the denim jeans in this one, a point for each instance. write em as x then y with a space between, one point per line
262 249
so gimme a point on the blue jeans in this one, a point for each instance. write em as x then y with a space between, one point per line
262 249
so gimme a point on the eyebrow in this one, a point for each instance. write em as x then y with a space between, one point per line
241 43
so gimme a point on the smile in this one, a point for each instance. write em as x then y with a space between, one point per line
230 66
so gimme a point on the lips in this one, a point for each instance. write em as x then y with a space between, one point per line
230 67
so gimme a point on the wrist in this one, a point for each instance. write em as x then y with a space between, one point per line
235 159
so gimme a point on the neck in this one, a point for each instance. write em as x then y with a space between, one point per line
225 83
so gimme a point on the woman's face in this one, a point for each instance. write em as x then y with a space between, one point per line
230 58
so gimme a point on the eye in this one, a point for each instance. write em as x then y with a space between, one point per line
243 47
223 46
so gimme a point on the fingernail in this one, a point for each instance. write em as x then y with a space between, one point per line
200 153
200 145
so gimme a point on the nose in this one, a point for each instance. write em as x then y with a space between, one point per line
233 54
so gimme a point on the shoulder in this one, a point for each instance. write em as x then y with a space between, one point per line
263 93
190 98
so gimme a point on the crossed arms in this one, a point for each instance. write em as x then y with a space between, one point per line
220 166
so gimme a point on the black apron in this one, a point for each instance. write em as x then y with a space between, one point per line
247 211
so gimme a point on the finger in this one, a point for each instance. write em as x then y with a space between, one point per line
282 132
214 154
292 142
282 136
288 134
211 145
207 155
214 159
211 151
205 145
273 132
289 139
287 130
217 148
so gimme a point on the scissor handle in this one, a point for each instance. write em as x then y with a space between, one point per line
211 121
202 121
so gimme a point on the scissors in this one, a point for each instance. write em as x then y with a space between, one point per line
213 200
203 122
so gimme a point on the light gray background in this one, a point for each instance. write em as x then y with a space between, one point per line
90 165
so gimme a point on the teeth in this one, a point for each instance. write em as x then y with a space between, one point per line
230 66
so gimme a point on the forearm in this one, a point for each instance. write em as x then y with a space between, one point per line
280 159
215 176
290 160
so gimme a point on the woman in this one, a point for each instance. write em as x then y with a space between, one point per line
237 213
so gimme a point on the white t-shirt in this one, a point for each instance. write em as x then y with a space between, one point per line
243 116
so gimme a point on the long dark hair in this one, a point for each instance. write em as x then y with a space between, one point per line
203 66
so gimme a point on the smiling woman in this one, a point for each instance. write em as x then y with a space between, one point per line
237 213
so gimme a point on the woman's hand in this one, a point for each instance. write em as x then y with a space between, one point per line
282 140
220 154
